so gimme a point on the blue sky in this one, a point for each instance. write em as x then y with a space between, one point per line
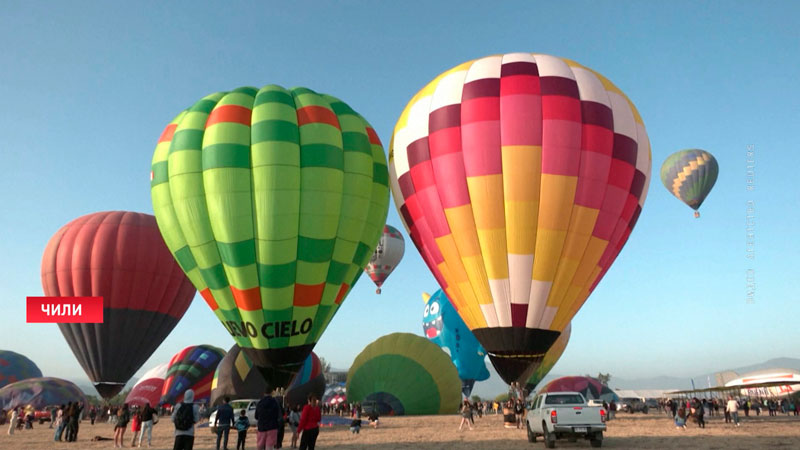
87 90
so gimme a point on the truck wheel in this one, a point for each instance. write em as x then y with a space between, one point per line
597 440
548 437
531 434
645 410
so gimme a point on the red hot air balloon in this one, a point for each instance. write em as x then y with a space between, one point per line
121 257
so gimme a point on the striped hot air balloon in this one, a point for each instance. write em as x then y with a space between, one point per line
519 178
404 374
120 256
690 175
272 201
191 368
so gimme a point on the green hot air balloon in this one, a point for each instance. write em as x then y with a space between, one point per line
272 201
404 374
690 175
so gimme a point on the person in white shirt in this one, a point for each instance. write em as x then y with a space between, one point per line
733 408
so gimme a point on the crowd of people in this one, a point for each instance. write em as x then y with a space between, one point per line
696 409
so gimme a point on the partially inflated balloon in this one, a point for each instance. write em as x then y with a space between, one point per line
309 380
550 359
689 175
403 373
15 367
591 388
445 328
387 256
236 377
121 257
191 368
148 388
519 178
40 393
272 201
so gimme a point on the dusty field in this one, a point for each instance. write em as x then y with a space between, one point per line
639 431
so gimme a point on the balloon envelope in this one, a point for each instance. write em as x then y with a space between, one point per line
591 388
191 368
550 359
40 393
15 367
272 201
237 378
690 175
309 380
519 178
403 373
387 255
444 327
148 388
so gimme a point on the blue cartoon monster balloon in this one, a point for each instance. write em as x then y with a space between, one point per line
445 328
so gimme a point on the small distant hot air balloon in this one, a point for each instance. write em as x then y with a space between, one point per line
191 368
15 367
519 178
404 374
445 328
272 201
386 257
550 359
120 256
689 175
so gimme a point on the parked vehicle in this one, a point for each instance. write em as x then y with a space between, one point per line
248 405
565 415
632 405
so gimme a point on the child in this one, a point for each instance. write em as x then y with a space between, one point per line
136 427
355 426
242 424
294 421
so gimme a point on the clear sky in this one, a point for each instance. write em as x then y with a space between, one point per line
87 88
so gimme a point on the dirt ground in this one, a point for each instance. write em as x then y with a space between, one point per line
653 431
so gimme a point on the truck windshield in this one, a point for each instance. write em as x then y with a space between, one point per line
563 399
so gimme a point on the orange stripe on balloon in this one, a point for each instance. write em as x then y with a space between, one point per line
247 299
316 114
373 137
229 114
342 292
168 132
209 298
308 295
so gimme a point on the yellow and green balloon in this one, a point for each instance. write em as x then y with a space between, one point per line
272 201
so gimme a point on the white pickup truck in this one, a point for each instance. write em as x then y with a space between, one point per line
558 415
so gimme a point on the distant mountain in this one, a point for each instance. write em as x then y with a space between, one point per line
494 385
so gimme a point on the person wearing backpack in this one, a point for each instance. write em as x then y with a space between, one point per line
184 416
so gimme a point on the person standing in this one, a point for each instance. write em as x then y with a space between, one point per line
519 411
148 414
92 414
267 414
223 421
309 423
13 423
123 417
59 423
53 412
136 427
465 415
242 424
184 416
732 408
294 422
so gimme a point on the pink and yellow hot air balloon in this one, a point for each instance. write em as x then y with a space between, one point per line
519 178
